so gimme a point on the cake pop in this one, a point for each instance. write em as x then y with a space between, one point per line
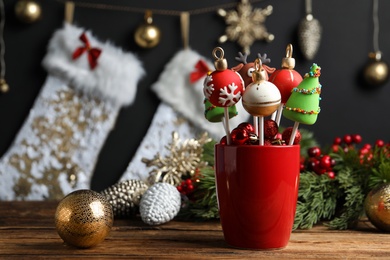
261 98
223 87
285 79
303 104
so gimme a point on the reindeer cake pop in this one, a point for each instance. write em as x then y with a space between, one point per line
261 98
245 69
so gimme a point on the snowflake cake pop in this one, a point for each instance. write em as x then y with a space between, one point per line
223 87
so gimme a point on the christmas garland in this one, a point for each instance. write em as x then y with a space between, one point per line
333 183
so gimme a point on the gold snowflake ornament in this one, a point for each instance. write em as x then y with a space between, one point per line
246 25
183 159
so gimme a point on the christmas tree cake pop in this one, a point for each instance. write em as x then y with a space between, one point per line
303 104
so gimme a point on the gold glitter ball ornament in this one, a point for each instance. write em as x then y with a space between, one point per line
147 35
377 207
84 218
28 11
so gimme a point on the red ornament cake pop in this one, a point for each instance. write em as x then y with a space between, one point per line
223 87
285 79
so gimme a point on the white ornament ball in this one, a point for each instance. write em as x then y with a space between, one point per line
160 204
261 99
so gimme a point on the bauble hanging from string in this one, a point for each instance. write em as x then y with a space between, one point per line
376 71
28 11
147 35
309 33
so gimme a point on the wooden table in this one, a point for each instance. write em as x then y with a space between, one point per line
27 231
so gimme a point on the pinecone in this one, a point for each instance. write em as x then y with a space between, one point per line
309 37
160 204
125 197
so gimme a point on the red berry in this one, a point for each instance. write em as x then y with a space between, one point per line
379 143
239 136
180 189
247 126
337 140
190 188
335 148
347 139
364 151
188 182
367 146
326 162
287 134
357 139
331 175
270 129
314 151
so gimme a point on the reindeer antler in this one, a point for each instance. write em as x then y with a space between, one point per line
264 58
242 58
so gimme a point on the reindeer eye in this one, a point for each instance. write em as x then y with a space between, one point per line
249 72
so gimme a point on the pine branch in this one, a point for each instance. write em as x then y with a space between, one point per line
317 200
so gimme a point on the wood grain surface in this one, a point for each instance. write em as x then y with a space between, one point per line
27 231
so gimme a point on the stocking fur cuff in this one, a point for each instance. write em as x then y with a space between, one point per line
115 77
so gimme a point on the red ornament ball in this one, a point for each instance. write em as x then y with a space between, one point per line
270 129
223 141
247 126
239 136
223 88
285 80
287 134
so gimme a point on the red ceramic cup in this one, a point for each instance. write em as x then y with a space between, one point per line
257 189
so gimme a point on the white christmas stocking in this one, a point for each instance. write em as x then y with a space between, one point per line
181 110
56 149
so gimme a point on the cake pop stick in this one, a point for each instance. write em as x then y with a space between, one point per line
261 126
293 133
285 79
223 87
261 98
226 124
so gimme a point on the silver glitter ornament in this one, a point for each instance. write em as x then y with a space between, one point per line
160 204
309 34
125 196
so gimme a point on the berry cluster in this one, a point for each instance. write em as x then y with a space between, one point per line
320 163
244 134
186 187
366 152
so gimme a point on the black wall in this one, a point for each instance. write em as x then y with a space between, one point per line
347 106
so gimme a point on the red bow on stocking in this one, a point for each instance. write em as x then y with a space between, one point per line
93 53
201 69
